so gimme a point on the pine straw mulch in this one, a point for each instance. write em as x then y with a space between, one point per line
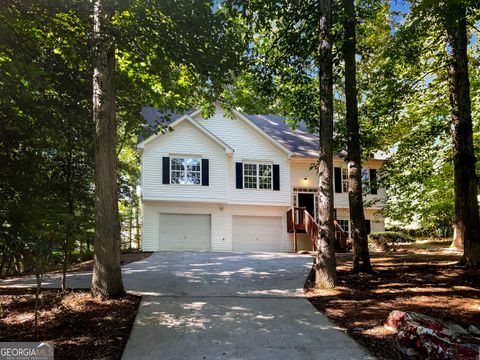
424 281
80 326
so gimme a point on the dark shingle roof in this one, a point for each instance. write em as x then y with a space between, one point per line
155 118
298 141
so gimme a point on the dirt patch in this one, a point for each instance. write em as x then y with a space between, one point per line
81 327
428 282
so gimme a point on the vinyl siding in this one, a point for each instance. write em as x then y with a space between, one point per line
249 145
301 169
187 140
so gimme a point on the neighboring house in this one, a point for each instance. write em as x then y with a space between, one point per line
223 184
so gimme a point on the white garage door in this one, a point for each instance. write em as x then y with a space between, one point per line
257 233
184 232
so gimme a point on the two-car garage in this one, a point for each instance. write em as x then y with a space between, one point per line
217 231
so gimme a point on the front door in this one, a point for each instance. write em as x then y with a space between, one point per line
307 201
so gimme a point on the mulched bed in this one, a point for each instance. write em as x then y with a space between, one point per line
81 327
428 282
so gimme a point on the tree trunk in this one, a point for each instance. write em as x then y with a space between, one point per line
107 275
325 266
130 228
467 220
457 242
137 223
361 256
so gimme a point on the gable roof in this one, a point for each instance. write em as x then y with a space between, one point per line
187 117
298 143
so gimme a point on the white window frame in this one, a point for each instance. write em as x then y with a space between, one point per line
344 180
366 188
348 226
185 171
257 175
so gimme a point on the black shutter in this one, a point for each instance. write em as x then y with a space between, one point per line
205 172
338 179
239 174
166 170
276 177
368 226
373 182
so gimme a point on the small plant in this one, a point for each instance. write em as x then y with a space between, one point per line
387 240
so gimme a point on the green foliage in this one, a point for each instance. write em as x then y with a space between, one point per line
387 240
171 54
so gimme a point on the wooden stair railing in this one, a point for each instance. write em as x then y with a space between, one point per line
300 220
341 237
311 228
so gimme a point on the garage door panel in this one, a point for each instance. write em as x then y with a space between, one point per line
257 233
185 232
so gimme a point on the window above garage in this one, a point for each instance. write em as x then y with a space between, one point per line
185 170
257 176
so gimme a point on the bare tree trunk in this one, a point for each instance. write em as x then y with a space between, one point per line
137 223
325 265
130 228
70 214
467 219
107 275
361 256
457 240
38 289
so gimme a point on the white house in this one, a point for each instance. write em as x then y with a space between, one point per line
223 184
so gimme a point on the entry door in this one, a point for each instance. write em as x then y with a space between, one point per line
307 201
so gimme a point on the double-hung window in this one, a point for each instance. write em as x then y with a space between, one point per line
257 176
344 180
185 171
366 181
345 226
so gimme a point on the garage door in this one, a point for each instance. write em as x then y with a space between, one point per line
184 232
257 233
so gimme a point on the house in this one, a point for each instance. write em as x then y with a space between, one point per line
238 184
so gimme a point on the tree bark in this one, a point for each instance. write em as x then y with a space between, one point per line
361 256
467 220
107 275
325 265
137 223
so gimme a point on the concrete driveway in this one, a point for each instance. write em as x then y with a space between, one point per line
224 306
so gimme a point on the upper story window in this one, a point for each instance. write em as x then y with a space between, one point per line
369 180
344 180
366 181
185 171
257 176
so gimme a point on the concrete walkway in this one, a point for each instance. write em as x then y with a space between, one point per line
224 306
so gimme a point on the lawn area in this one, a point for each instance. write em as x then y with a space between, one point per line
80 326
423 279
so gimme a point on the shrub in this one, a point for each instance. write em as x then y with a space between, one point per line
387 240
